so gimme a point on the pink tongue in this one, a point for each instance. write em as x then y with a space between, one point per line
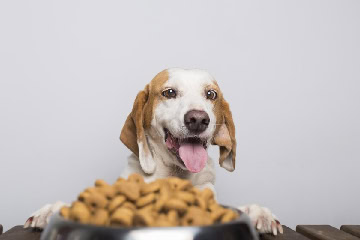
194 156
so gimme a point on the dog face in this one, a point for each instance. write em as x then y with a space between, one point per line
184 110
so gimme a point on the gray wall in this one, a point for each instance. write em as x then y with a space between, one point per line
70 71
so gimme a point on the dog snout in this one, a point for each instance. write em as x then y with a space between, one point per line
196 121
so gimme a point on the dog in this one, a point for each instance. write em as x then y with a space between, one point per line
177 116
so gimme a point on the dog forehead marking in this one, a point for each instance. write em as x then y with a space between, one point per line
192 79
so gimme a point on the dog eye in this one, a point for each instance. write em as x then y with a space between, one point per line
211 94
169 93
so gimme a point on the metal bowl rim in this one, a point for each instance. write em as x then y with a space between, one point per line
240 218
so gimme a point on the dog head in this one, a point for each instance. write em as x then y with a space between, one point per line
186 112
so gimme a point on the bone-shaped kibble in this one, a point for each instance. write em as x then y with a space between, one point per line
132 202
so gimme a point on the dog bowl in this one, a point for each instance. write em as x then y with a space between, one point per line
62 229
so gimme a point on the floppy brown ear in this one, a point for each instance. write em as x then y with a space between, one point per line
133 134
225 138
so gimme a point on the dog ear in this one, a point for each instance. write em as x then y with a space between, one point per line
225 138
133 134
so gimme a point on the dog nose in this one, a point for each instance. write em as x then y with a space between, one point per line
196 121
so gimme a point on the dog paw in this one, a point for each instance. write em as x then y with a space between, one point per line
262 218
41 217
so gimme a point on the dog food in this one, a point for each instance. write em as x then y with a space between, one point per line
132 202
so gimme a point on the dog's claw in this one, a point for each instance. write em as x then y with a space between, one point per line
279 227
274 228
259 224
28 222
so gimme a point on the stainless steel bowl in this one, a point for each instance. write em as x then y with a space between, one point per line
62 229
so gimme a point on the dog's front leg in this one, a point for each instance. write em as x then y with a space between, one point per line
262 218
41 217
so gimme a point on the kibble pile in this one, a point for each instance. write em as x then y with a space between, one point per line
132 202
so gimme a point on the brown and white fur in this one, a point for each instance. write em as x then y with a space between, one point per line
158 130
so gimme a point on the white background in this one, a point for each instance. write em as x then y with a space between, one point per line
70 70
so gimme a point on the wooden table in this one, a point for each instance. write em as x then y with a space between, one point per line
303 232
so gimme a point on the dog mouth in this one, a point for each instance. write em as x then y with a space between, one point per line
190 152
